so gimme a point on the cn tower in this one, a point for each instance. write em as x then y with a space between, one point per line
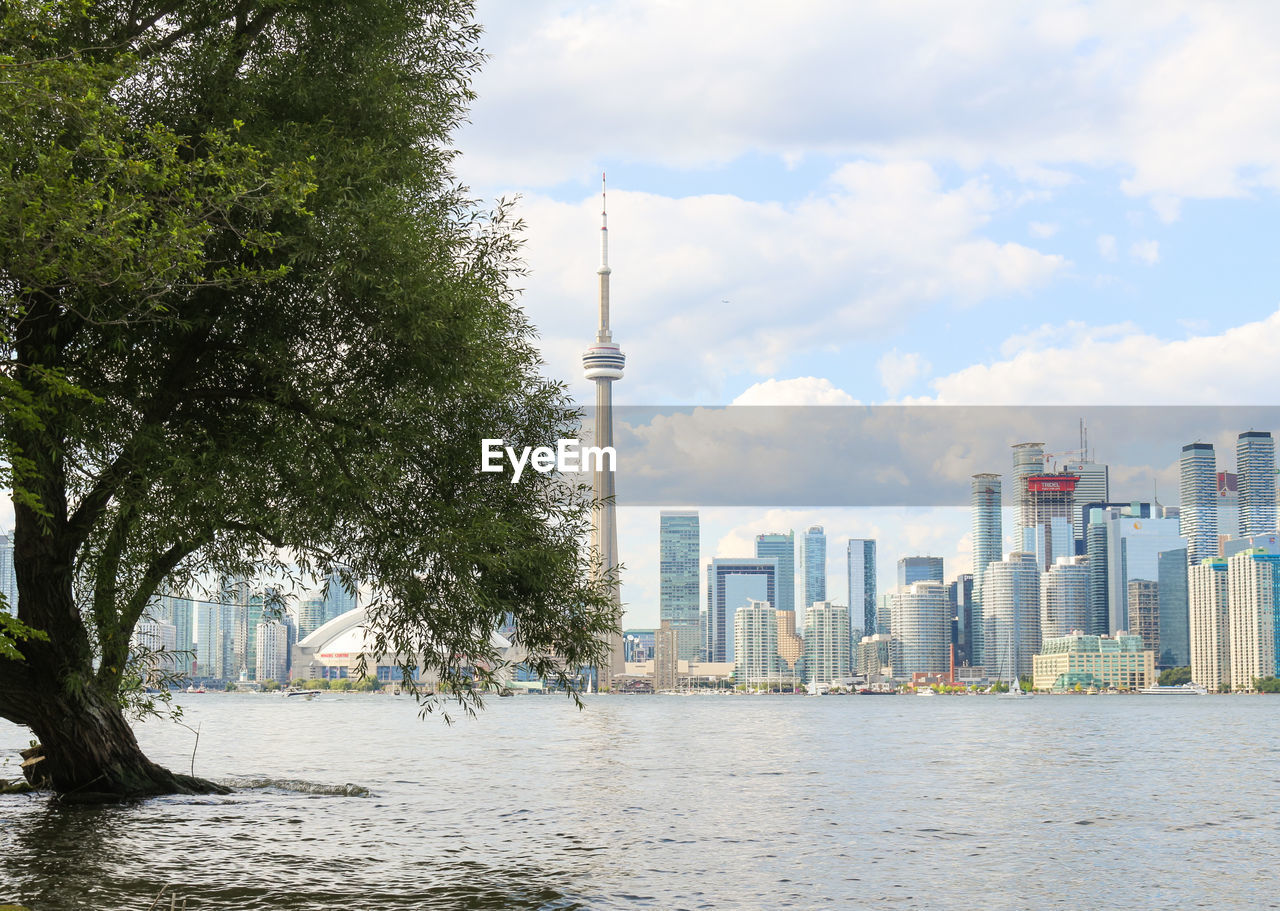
602 363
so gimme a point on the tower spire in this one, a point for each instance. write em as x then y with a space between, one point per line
603 334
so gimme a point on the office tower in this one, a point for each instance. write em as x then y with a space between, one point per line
790 643
919 569
1134 545
1011 611
271 651
666 657
338 600
1209 623
861 554
1175 650
960 606
988 547
248 617
638 644
1253 594
209 642
311 616
1144 612
1028 460
781 547
1256 481
755 652
828 651
813 564
8 575
731 583
1064 598
1198 509
921 622
603 363
1047 506
678 544
181 611
1093 486
1268 544
1098 620
1228 504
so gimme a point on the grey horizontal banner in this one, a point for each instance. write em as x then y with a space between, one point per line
894 455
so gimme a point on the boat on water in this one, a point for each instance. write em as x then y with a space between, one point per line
1015 691
926 691
192 689
308 693
1183 689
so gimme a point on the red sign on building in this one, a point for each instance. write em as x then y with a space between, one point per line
1052 482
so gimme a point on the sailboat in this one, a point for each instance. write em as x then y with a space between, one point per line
1016 691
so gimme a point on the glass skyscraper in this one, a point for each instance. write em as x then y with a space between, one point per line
985 500
861 553
8 576
731 583
1198 511
813 564
1175 649
783 549
919 569
678 545
1256 482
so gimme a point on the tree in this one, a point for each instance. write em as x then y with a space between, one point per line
1175 676
251 322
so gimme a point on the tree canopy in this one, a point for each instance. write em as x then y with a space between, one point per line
252 322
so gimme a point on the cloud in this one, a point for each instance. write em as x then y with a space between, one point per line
1107 247
1042 229
1146 251
803 390
899 371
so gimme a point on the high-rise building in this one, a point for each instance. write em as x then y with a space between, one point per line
311 613
732 582
679 544
919 569
813 565
755 652
154 646
271 651
921 622
1175 649
666 657
960 606
338 599
8 575
1228 504
790 644
1028 460
178 612
1011 612
209 646
603 363
876 655
1093 486
988 547
1253 595
1047 507
782 548
1098 621
1209 622
1256 479
1144 612
828 654
1198 509
1064 598
1134 545
861 553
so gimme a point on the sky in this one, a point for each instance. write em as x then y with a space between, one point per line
832 203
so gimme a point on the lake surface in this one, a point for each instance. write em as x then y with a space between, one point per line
672 802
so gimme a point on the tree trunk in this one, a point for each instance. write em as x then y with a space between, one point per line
90 754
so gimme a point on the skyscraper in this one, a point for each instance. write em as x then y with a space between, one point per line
755 633
861 553
1253 594
1144 612
1209 624
602 363
1198 510
678 544
813 564
960 605
1256 477
1094 486
1228 504
919 569
988 540
1064 598
311 616
666 659
828 649
1028 460
781 547
271 649
1011 611
1175 649
338 600
731 583
921 622
8 575
1134 545
1047 506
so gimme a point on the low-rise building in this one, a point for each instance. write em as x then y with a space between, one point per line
1066 662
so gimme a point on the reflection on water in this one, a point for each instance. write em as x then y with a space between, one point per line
664 802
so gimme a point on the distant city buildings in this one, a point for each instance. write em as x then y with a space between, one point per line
921 623
732 582
791 645
988 539
271 651
1080 661
1209 622
666 657
813 565
678 557
1144 612
8 576
781 548
827 646
1011 608
861 573
1064 597
1256 480
1253 595
1198 509
919 569
1175 644
755 633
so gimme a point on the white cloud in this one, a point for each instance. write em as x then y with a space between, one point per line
1107 247
802 390
1042 229
898 371
1146 251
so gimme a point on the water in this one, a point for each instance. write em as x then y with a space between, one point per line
671 803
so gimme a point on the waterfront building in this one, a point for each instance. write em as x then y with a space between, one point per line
1064 597
1080 660
791 646
861 553
1093 486
988 543
1253 595
960 606
1175 647
1134 545
919 569
827 648
1011 613
8 575
731 583
877 655
813 565
679 546
1144 612
1198 508
1256 477
921 623
1209 624
755 653
271 651
666 657
782 548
